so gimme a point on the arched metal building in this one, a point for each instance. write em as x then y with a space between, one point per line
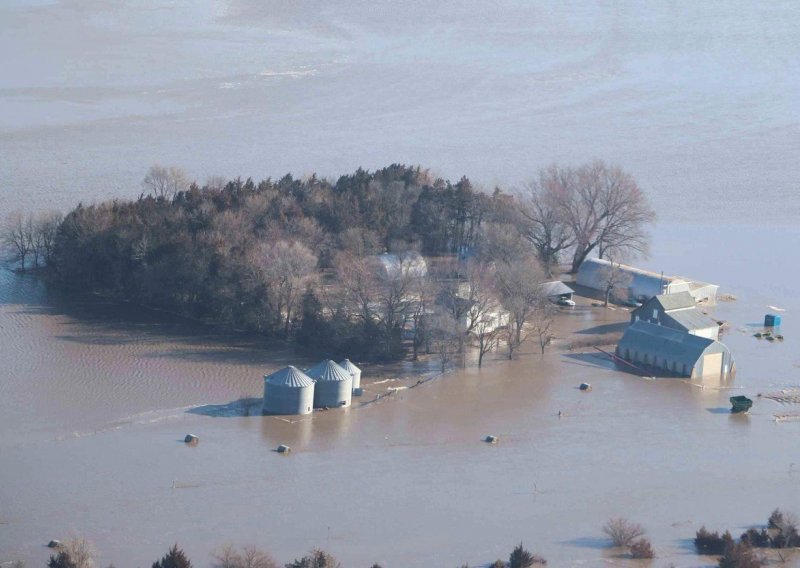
288 391
672 352
354 371
333 386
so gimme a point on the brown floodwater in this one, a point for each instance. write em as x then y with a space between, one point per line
96 398
699 101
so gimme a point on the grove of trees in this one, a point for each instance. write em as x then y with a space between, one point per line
294 258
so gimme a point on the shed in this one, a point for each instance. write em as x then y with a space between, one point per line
677 311
333 386
557 289
288 391
644 283
668 351
354 371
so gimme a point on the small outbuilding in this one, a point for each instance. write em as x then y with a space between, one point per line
557 290
288 391
672 352
677 311
354 371
333 386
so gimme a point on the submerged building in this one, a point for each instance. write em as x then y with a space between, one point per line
354 371
288 391
677 311
668 351
333 386
643 284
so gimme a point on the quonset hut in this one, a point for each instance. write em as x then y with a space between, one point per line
593 273
673 352
333 386
354 371
288 391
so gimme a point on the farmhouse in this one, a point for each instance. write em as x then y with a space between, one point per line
593 273
668 351
677 311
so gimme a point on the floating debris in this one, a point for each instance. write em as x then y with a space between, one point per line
491 439
54 544
740 404
284 449
785 396
191 439
585 387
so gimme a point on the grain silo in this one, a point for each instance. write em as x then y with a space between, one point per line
333 386
354 371
288 391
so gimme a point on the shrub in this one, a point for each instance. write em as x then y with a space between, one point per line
775 519
175 558
642 549
498 564
521 558
739 555
711 543
623 532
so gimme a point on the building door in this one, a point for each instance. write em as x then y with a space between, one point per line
712 364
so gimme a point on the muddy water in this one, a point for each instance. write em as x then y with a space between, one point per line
95 403
698 102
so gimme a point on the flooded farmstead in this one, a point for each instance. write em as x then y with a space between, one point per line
503 223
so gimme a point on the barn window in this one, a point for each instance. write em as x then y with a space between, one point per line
655 314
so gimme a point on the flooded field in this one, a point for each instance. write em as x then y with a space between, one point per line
95 403
698 103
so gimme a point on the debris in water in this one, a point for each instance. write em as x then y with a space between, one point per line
491 439
585 387
740 404
284 449
191 439
776 309
54 544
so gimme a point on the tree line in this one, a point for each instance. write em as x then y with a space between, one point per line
296 258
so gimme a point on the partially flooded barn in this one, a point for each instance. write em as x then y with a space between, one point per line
667 351
678 311
354 371
642 284
288 391
333 386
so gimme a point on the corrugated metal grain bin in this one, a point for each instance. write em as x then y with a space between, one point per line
354 371
288 391
333 386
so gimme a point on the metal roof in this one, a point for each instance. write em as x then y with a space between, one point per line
556 288
348 366
676 301
691 320
289 376
328 371
672 344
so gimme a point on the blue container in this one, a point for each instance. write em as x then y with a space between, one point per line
772 320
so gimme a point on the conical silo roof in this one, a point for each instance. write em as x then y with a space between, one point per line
289 376
328 371
348 366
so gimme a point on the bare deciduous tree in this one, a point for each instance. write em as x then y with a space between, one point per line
521 294
248 557
606 211
622 532
615 281
45 229
165 182
16 237
286 269
545 223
